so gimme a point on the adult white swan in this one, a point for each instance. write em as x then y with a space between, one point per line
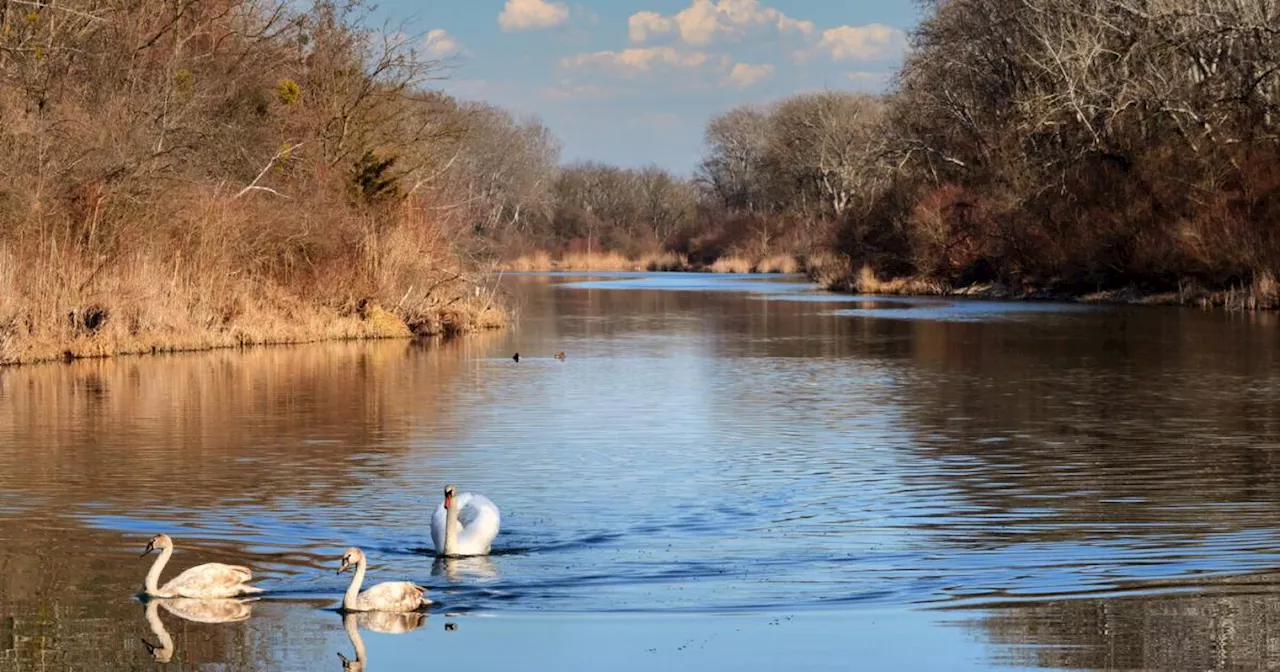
210 580
464 524
396 596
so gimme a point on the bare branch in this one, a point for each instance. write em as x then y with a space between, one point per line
253 186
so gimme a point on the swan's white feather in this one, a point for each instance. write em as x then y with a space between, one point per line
480 521
396 596
211 580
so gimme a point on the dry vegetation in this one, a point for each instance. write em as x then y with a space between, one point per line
228 172
224 172
540 260
771 192
768 193
1106 149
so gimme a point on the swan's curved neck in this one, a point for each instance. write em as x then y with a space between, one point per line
451 527
349 600
152 585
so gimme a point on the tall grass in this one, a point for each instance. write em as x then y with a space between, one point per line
541 260
227 274
730 264
177 178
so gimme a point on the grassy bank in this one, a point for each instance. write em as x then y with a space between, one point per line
179 319
834 273
666 261
222 288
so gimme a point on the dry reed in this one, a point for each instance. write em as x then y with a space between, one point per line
666 261
540 260
224 283
731 264
778 263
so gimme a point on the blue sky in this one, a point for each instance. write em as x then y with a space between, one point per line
633 82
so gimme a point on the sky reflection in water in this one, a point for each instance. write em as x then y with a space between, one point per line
724 471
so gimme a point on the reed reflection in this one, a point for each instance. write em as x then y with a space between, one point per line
204 428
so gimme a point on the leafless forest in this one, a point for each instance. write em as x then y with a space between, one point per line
1066 147
192 173
200 173
1082 145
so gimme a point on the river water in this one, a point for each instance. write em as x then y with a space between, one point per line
725 472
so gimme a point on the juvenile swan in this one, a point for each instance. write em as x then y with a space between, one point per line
396 596
211 580
465 524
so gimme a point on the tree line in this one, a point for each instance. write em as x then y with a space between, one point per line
256 170
1081 145
773 179
1063 146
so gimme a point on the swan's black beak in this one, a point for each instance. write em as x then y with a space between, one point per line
150 547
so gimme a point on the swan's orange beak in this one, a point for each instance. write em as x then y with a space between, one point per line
448 502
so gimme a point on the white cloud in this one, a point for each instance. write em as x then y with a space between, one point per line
637 61
643 24
745 75
440 43
862 43
520 15
705 21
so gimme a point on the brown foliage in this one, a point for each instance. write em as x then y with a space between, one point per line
1081 146
217 173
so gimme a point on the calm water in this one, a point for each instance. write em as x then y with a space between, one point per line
727 472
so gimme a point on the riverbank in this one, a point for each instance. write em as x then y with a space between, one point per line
288 325
1263 294
138 306
541 261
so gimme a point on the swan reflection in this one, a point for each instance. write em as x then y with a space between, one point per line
200 611
457 569
389 623
208 611
377 621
